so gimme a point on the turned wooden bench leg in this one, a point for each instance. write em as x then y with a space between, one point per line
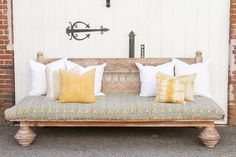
25 136
210 137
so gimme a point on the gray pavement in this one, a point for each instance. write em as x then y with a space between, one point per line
112 142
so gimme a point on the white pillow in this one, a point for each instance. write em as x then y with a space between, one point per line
98 75
38 78
148 77
71 65
57 81
51 82
202 81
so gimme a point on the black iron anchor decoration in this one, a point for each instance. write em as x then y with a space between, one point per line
74 30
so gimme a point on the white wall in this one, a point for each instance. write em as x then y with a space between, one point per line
168 28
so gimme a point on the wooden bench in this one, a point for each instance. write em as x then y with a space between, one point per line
120 76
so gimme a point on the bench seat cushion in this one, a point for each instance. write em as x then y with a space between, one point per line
116 107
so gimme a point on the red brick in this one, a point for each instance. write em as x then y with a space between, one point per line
8 86
4 37
3 6
3 26
3 17
6 42
8 52
4 11
6 56
3 47
5 76
233 36
9 81
10 71
6 32
9 62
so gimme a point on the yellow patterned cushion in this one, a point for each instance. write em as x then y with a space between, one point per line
170 89
124 106
175 89
76 88
189 86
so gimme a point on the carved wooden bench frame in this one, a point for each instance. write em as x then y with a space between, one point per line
120 75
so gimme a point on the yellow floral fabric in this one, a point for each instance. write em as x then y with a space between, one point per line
75 88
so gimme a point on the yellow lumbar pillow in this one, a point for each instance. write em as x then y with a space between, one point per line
174 89
76 88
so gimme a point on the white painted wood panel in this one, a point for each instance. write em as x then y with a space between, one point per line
168 28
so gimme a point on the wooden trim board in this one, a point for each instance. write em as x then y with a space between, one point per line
120 123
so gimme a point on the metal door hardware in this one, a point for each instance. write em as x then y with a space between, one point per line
74 30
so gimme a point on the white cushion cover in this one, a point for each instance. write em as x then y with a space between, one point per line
148 77
38 78
98 75
51 82
71 65
202 81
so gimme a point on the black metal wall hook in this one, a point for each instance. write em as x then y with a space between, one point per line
131 44
74 30
108 5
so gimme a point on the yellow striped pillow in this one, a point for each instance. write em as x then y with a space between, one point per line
189 86
77 88
174 89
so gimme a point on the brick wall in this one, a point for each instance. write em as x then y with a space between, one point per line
6 58
232 69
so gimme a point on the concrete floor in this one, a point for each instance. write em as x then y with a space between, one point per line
112 142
